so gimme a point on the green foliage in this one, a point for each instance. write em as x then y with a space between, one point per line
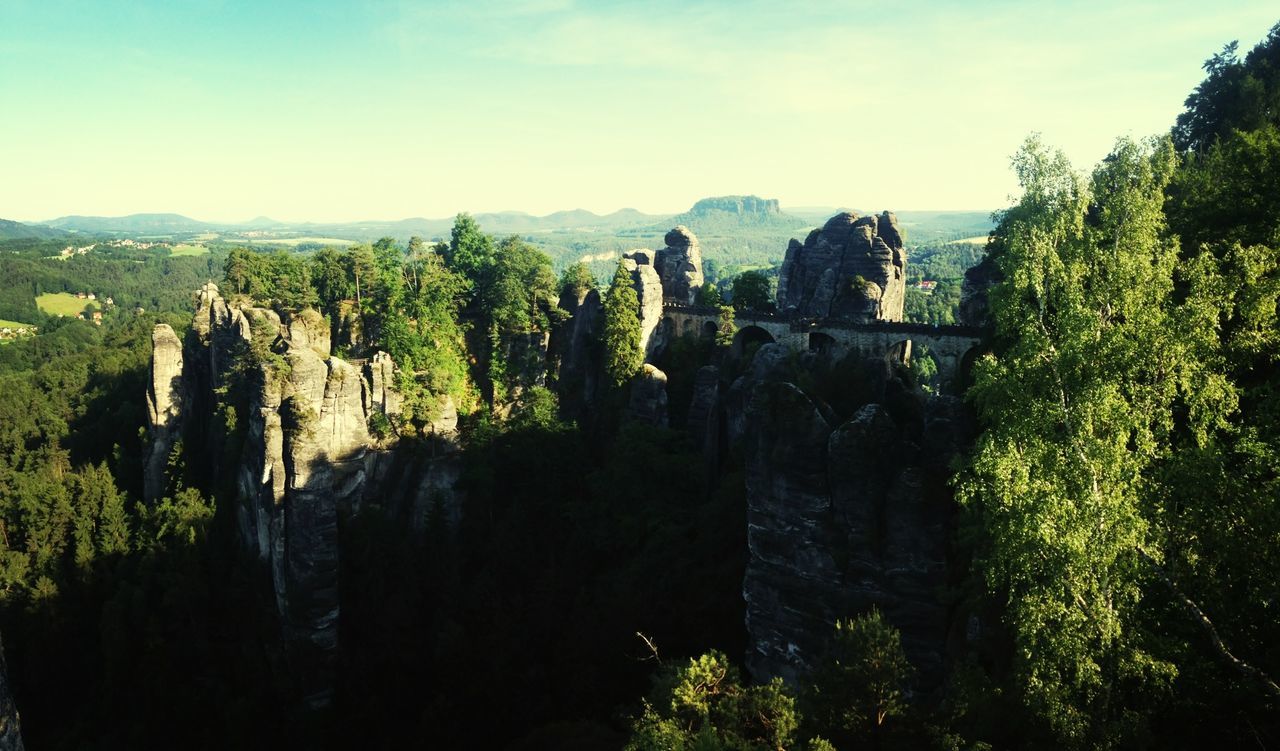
1077 406
704 705
281 279
726 329
709 295
753 290
924 369
860 683
1227 193
1236 95
577 280
621 331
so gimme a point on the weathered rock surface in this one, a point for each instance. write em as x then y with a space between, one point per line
852 268
305 458
679 266
844 516
165 399
574 352
978 281
10 723
649 396
382 396
307 328
648 285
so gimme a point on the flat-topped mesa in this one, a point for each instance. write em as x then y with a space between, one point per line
679 266
852 268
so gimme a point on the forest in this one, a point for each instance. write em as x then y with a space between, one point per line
1115 519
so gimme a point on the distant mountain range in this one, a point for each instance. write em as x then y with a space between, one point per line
18 231
504 222
710 216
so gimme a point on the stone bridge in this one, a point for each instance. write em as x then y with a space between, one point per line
952 348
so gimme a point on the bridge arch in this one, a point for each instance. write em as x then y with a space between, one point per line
822 344
709 331
748 339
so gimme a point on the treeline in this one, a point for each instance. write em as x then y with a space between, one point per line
134 279
428 306
1123 493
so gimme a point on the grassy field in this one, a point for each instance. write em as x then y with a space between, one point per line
976 240
11 324
62 303
188 250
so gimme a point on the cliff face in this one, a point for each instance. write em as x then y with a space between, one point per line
844 515
164 407
648 286
306 454
852 268
846 510
10 725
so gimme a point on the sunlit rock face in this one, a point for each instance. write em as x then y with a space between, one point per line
165 399
852 268
263 406
679 266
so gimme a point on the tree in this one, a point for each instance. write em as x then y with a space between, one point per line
709 295
726 328
1236 95
621 332
860 682
361 265
1093 359
330 279
751 291
470 250
577 280
704 705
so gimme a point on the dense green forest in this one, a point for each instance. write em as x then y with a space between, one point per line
1118 512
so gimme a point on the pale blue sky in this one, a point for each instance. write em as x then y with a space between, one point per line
327 111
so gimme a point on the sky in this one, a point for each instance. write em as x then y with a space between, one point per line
338 111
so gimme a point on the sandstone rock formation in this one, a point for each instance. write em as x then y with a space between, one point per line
852 268
844 515
382 396
679 266
648 285
575 358
10 724
305 454
649 396
165 399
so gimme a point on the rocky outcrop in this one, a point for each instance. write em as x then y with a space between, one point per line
574 352
10 724
165 398
845 515
305 455
649 396
381 394
648 286
978 281
307 328
853 268
679 266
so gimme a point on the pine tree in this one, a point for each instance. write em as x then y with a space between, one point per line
621 336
